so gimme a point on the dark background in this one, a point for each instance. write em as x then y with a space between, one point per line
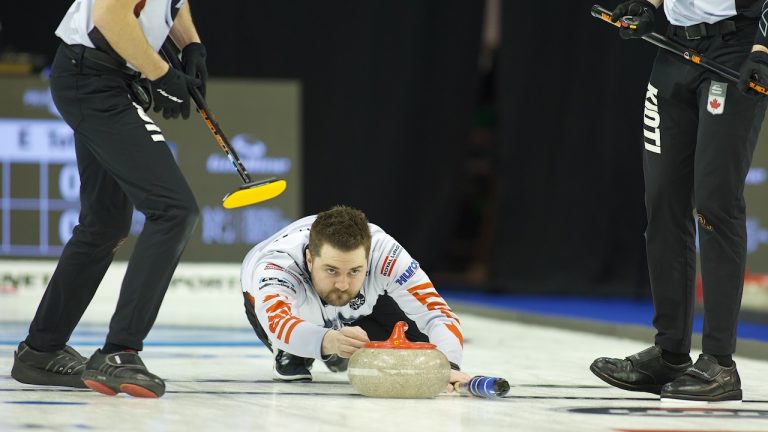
522 175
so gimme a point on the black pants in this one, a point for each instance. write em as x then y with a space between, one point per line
378 325
694 159
121 166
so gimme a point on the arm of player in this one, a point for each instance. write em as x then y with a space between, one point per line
274 293
285 330
183 31
412 290
116 21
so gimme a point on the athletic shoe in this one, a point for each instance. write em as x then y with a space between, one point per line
705 381
58 368
122 371
645 371
289 367
336 363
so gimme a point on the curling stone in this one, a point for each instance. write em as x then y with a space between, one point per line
399 368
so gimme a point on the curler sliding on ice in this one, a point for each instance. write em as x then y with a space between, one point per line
333 288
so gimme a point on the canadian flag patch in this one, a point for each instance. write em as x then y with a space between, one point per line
716 99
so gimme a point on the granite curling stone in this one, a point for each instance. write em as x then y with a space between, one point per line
399 368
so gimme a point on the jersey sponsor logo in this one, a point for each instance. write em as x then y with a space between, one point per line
408 273
169 96
716 99
389 262
298 281
271 266
357 302
651 120
271 281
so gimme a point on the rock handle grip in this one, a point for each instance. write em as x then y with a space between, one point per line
484 387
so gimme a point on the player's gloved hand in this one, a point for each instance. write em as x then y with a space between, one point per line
755 68
641 15
170 93
193 58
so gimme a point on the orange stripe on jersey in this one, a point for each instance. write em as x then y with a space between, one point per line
278 305
421 286
445 310
426 296
455 330
278 311
276 319
287 339
437 302
283 325
270 297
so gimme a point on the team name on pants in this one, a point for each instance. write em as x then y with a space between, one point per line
651 119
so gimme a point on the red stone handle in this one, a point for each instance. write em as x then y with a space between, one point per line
398 340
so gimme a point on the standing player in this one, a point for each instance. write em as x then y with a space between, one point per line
700 133
325 285
123 163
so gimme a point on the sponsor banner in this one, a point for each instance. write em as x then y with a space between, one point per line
199 294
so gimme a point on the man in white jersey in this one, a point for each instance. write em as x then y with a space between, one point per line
123 163
699 133
325 285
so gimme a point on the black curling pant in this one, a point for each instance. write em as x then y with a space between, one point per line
123 162
699 136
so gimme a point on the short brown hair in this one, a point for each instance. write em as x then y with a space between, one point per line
342 227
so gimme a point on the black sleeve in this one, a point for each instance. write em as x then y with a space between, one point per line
761 38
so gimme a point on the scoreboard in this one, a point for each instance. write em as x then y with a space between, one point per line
39 181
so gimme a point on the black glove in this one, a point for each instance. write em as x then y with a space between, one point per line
642 13
755 68
171 93
193 57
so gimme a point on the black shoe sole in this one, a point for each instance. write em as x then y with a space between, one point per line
302 379
29 375
112 386
735 395
647 388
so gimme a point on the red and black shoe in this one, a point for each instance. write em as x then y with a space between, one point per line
122 371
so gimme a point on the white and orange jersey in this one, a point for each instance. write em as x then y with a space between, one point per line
278 284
